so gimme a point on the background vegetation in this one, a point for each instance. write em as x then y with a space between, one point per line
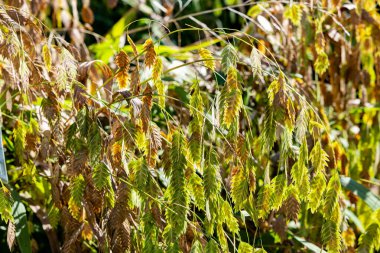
190 126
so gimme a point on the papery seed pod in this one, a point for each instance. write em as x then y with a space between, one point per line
87 15
150 53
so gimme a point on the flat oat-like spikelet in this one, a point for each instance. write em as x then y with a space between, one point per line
150 55
278 191
233 99
291 206
101 176
122 61
6 203
146 107
157 69
207 56
331 236
263 200
11 235
122 78
116 153
87 15
134 48
179 199
369 240
155 144
46 55
135 82
229 57
294 13
239 187
121 237
255 59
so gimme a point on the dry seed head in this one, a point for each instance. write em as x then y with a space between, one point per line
122 78
87 15
157 69
150 55
232 81
134 48
122 59
116 152
206 55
